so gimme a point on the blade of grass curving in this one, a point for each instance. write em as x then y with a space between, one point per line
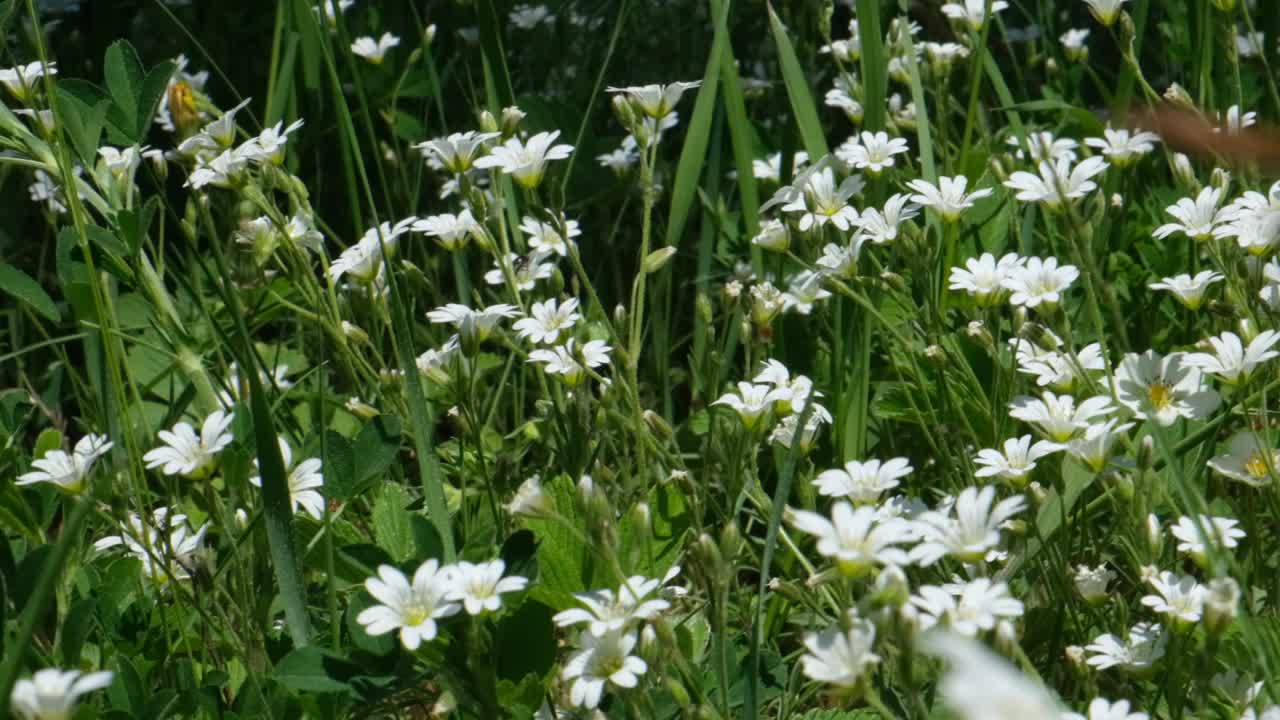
780 495
497 78
875 76
924 130
694 152
742 136
802 107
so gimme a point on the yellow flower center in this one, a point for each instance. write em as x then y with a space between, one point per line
1256 465
415 615
1160 395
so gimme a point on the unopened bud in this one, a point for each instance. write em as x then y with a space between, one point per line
980 334
1220 179
1146 453
677 691
893 280
511 117
623 111
658 258
241 518
1038 493
1221 604
1076 658
702 304
656 424
1038 335
1178 95
1155 535
488 123
936 356
1183 172
1247 329
773 236
354 333
730 542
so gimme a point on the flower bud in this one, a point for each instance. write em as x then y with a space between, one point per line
1183 172
1220 179
488 123
773 236
936 356
656 424
1006 637
361 409
1178 96
891 588
511 117
1247 330
979 333
354 333
1155 535
658 258
678 693
1076 657
241 518
624 112
1091 583
1221 604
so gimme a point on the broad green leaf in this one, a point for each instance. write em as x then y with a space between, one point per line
376 644
50 439
526 642
391 522
339 467
20 285
802 107
75 630
124 75
82 122
313 670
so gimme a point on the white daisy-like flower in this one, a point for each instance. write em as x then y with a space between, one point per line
438 364
821 201
525 161
530 499
752 402
856 539
184 453
451 231
1058 416
804 290
20 80
873 152
68 471
479 323
841 260
1144 645
1100 709
881 226
796 390
966 608
304 479
1039 280
1192 540
1180 598
972 12
1234 120
1054 369
268 147
840 97
603 660
374 50
942 56
839 656
570 362
1163 388
1196 218
457 151
165 546
656 101
967 530
606 611
773 236
1044 146
1187 289
1249 459
546 238
983 278
783 434
526 270
479 587
1122 146
948 198
547 320
1092 583
1073 44
363 260
862 482
771 167
1016 462
1231 360
1105 11
52 693
980 685
412 608
1057 183
1093 447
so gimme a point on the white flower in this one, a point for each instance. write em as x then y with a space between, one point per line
862 482
1230 360
1163 388
982 686
856 539
166 547
1073 44
656 101
948 197
1189 290
1196 218
1058 370
1016 462
1106 11
21 79
872 152
530 499
52 693
840 97
1100 709
841 260
622 158
942 56
571 364
1235 121
972 12
984 277
374 50
1179 597
479 586
1039 281
479 323
603 659
1044 146
821 201
1093 447
304 478
882 227
456 151
330 10
1143 647
546 238
1058 182
1222 531
753 401
363 260
804 290
1123 147
784 432
773 236
1057 415
528 17
967 608
411 608
66 470
526 160
796 390
1249 459
840 657
608 612
526 270
771 167
451 231
1091 583
971 532
547 320
185 454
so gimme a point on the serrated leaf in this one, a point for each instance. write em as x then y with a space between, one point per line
392 527
21 286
